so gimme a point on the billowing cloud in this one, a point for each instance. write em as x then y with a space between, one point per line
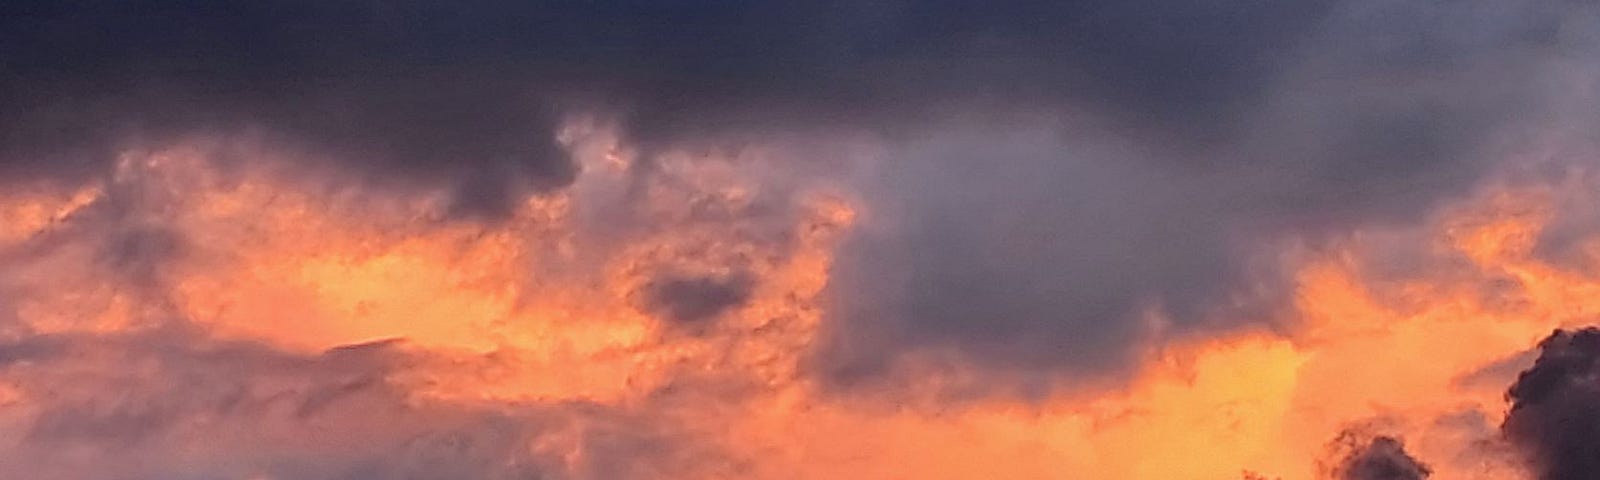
1060 183
1553 406
830 239
1058 245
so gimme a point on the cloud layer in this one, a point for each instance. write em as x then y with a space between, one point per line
1058 177
680 239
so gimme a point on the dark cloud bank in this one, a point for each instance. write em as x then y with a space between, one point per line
1053 171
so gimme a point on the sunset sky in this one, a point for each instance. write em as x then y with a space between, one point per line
823 239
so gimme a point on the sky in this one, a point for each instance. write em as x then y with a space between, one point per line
874 239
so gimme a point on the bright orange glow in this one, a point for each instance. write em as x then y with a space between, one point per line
538 308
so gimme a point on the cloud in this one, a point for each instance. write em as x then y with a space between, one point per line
1058 244
1058 183
695 299
471 93
196 407
1378 458
1554 404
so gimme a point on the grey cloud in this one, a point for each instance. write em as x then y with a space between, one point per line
695 299
1561 242
1040 246
140 252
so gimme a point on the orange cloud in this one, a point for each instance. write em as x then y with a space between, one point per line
526 341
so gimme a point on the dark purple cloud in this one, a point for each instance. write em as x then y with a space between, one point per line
1555 407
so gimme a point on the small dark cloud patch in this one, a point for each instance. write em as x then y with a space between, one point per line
696 299
1357 453
142 252
1377 458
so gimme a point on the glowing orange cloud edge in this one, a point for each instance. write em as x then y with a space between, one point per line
526 311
